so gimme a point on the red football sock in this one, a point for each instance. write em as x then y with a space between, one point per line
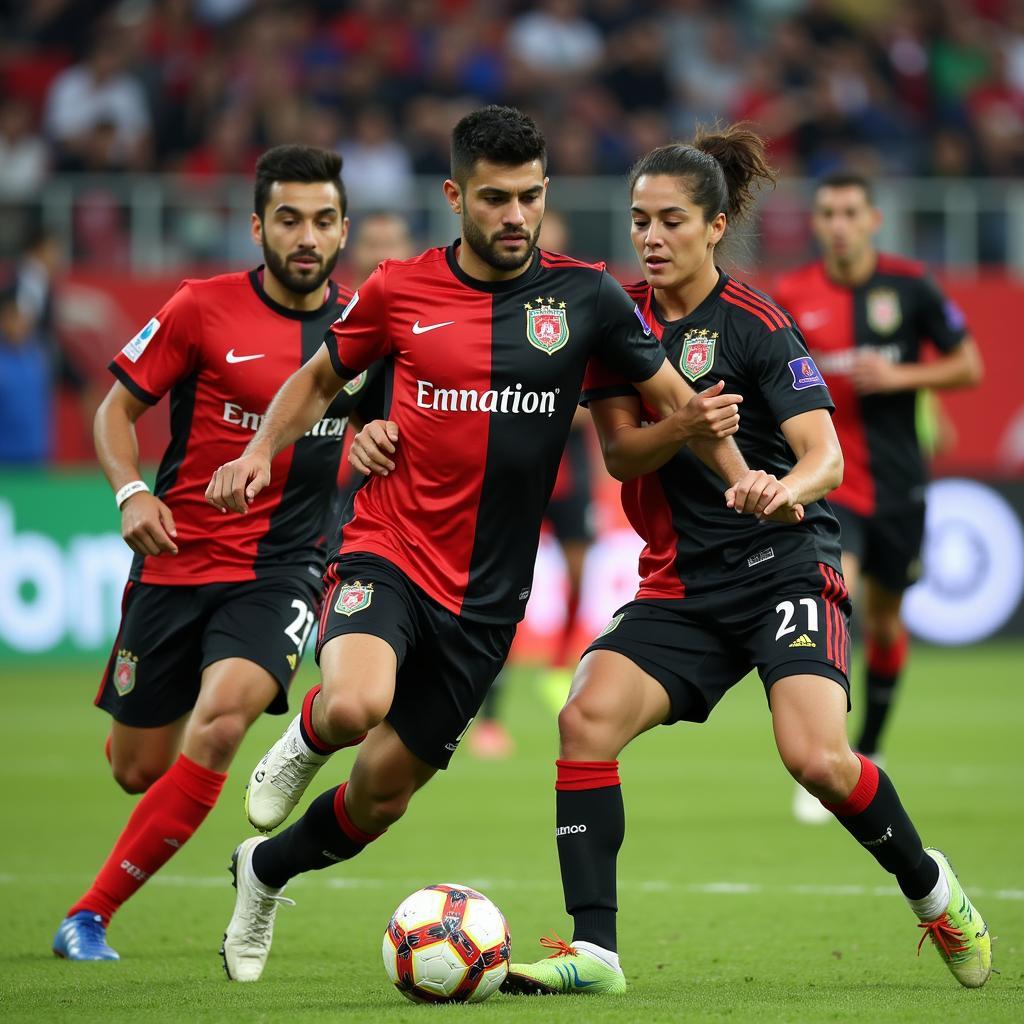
162 822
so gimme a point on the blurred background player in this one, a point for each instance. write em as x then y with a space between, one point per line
867 317
216 612
570 515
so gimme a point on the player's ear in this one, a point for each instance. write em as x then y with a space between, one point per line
453 194
343 239
256 230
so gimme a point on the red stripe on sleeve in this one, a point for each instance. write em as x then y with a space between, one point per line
733 300
769 307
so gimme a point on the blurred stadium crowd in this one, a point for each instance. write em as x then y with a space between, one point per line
927 87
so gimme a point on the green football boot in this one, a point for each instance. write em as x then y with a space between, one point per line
959 934
568 971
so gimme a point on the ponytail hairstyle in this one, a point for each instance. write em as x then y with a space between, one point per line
720 170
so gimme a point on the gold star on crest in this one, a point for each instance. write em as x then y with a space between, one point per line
540 300
561 305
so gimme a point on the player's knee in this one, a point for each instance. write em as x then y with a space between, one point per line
216 739
343 716
584 725
820 771
884 628
134 777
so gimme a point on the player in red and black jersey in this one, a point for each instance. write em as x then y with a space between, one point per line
868 317
217 609
488 340
722 594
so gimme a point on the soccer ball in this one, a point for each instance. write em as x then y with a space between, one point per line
447 944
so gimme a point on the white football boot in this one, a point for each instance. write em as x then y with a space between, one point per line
281 777
808 809
251 928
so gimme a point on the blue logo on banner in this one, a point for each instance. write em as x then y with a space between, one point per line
805 374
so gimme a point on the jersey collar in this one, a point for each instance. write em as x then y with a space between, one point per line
490 286
697 314
292 314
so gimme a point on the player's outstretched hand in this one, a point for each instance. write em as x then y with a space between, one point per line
372 446
763 495
711 414
234 486
147 525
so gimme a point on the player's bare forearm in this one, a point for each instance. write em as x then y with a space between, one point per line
301 403
816 474
819 465
721 455
961 368
113 432
631 450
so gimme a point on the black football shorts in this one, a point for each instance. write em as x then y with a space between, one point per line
446 663
888 545
170 634
794 622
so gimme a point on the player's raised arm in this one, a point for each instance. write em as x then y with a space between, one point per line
147 525
301 402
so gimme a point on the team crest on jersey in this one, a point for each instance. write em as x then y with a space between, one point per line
884 313
124 672
698 353
547 326
355 384
614 624
353 597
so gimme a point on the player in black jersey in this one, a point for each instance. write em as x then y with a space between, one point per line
722 594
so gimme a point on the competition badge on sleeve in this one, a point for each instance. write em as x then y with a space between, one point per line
546 325
353 597
698 353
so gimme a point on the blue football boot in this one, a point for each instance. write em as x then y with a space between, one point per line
82 936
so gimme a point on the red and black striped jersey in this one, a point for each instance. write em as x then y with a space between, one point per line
222 348
483 379
693 542
894 313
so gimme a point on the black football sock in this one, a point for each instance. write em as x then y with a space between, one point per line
874 816
323 836
590 827
885 665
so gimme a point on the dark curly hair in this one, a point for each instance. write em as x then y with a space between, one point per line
501 135
305 164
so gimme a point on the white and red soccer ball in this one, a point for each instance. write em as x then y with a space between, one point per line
447 944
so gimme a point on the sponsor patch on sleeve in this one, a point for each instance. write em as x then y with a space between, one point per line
138 344
643 323
805 374
954 315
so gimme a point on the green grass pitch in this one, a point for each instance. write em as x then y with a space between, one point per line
729 910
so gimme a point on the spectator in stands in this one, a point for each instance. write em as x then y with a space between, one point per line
26 403
378 170
97 112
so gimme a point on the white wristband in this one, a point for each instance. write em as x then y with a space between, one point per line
128 490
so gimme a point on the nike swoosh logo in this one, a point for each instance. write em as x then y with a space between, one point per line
416 329
232 358
574 981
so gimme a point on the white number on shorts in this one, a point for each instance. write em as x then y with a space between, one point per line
299 629
788 610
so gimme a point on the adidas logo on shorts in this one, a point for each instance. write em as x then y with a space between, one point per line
803 640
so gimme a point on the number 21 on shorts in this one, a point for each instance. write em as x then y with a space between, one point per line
298 630
788 611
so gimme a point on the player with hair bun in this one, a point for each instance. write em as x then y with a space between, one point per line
722 593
